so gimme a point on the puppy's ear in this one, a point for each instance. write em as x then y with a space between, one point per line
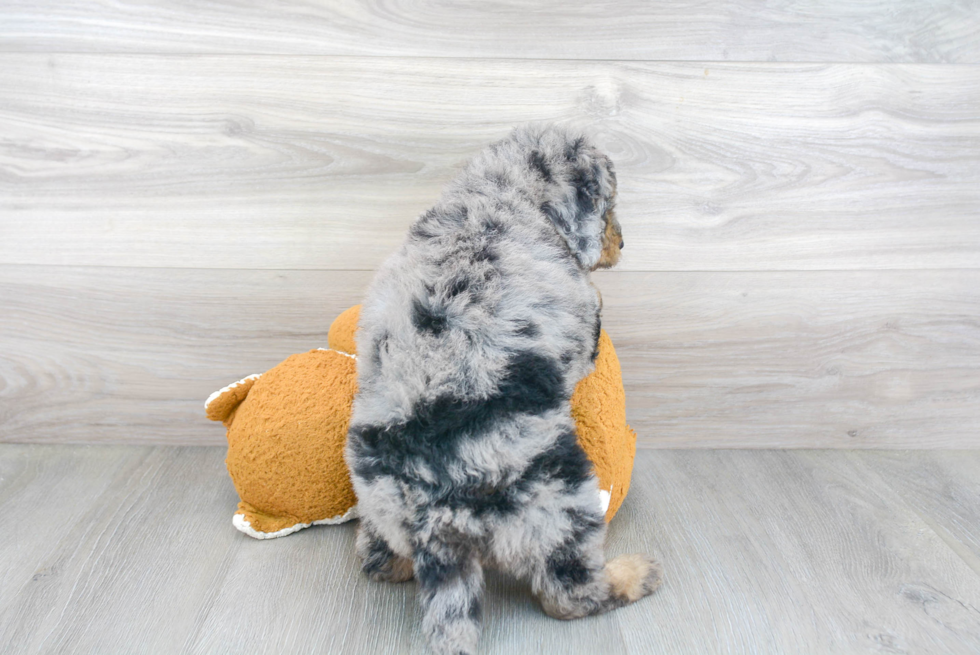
579 214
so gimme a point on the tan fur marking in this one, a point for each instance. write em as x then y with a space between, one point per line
397 569
633 576
401 569
611 239
553 609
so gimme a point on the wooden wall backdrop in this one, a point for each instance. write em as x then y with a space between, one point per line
190 192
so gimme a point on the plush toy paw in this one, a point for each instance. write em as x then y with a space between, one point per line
258 524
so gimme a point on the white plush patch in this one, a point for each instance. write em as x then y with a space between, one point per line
231 386
341 352
242 524
605 497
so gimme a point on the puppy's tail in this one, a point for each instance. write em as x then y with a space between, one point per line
583 592
451 591
574 580
631 577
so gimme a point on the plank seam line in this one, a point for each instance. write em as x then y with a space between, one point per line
713 62
753 271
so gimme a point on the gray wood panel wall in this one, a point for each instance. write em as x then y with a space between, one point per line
189 195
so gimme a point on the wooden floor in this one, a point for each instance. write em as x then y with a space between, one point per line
110 549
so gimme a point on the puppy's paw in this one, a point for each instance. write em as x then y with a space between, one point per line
396 569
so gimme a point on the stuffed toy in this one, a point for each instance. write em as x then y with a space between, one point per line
287 427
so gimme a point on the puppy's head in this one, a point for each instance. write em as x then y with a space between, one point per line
576 188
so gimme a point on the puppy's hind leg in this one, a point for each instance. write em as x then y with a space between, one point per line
450 591
574 580
378 561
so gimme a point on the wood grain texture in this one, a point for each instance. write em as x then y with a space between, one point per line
129 355
789 552
65 484
943 487
872 359
137 568
876 31
849 359
765 552
322 162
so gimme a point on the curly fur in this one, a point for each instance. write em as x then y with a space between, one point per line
473 336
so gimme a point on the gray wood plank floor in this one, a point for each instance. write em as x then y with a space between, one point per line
131 549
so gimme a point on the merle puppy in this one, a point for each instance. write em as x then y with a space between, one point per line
472 338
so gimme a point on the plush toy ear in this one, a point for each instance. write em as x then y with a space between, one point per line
341 335
220 405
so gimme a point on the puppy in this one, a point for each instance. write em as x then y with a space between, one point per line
472 337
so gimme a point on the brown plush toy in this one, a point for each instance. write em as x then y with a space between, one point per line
287 428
